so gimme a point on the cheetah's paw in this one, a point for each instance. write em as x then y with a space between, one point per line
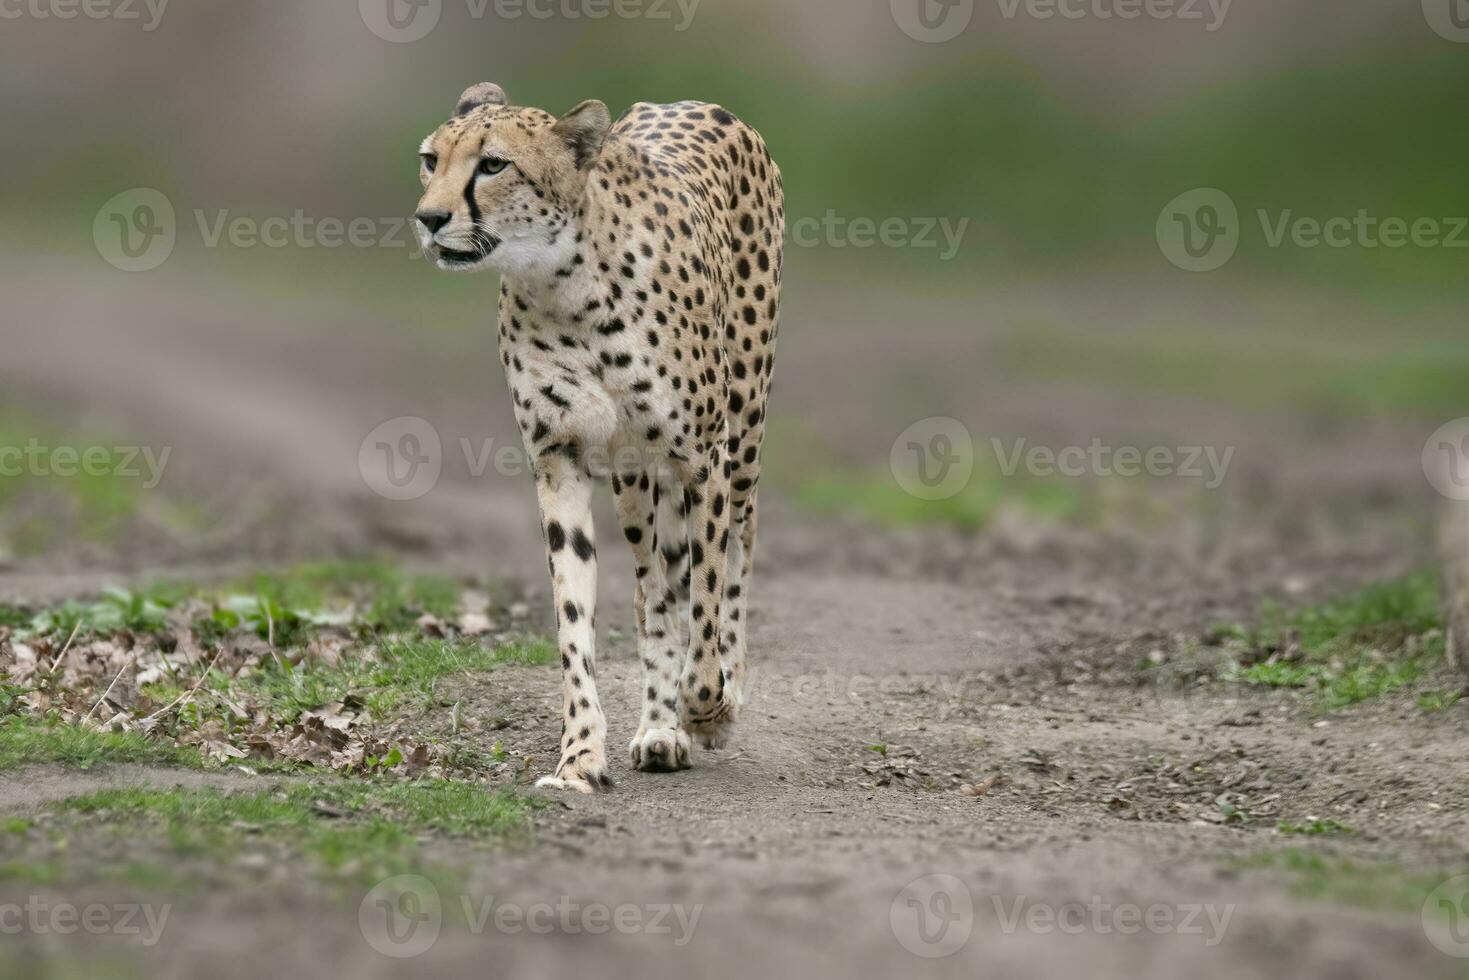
660 750
709 710
585 772
714 733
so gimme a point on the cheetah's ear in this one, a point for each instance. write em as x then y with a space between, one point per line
485 93
584 129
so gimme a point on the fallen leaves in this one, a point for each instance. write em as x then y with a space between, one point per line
981 788
235 678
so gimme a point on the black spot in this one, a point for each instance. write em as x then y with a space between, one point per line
582 545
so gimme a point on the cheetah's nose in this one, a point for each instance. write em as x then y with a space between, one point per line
433 220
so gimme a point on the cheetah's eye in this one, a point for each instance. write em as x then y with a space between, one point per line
429 160
490 166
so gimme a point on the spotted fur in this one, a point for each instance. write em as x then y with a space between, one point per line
640 272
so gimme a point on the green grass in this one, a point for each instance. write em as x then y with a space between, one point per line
1279 675
879 498
55 872
376 660
387 598
1433 701
61 962
116 610
1341 881
12 616
94 500
1351 649
372 598
357 831
1315 828
1386 613
24 742
819 481
1337 687
473 759
829 484
1367 681
407 671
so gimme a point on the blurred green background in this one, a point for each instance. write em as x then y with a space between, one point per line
1059 141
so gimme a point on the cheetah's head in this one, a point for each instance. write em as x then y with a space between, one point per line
502 183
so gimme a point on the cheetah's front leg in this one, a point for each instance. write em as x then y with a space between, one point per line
708 696
564 493
661 744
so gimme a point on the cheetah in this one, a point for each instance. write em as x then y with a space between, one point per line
640 271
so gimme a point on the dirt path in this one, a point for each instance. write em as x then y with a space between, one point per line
796 844
891 669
